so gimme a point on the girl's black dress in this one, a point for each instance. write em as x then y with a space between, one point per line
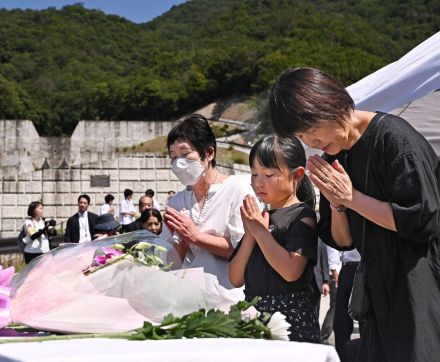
293 299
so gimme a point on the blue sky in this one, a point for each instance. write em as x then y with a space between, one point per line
137 11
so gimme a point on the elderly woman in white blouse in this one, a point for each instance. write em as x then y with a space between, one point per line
203 221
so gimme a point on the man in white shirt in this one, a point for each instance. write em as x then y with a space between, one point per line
80 227
126 209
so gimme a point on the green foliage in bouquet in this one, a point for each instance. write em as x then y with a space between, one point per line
211 324
198 324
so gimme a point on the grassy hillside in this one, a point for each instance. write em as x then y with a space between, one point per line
60 66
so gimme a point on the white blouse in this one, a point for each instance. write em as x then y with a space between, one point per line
124 207
104 209
220 217
39 245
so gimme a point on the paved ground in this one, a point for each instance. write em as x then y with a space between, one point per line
325 304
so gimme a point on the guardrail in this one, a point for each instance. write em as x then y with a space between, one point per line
10 245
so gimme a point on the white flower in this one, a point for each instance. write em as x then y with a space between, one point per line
250 313
279 328
118 247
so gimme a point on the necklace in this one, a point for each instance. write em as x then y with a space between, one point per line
205 201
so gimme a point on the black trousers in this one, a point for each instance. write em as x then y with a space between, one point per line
327 324
343 324
30 256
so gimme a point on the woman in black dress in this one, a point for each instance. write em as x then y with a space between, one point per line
401 207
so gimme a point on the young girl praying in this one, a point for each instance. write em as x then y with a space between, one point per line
275 257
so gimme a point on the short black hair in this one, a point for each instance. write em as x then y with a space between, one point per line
84 196
128 192
149 192
303 97
32 206
198 132
108 198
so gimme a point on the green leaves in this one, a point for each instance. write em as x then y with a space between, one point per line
210 324
60 66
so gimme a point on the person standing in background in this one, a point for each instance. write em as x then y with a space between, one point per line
343 324
126 209
151 220
145 202
36 238
334 263
80 227
322 273
105 227
150 192
108 207
170 195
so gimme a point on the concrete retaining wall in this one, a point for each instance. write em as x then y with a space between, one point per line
57 170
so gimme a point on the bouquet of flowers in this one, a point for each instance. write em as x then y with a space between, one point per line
79 288
128 283
144 253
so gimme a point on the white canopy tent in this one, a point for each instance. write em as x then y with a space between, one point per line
407 88
424 115
413 76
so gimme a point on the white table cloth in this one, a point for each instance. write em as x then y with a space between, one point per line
193 350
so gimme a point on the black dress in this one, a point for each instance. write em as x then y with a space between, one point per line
403 267
293 299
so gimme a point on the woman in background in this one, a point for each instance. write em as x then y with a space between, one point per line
36 238
106 226
108 207
151 220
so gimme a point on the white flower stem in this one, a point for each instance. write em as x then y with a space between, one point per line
121 335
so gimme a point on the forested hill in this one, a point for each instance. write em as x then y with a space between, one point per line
60 66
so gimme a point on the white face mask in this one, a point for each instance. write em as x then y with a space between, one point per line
187 171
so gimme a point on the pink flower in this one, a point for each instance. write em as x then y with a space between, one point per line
108 253
5 291
100 259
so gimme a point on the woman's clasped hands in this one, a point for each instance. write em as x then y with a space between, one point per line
331 180
182 224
